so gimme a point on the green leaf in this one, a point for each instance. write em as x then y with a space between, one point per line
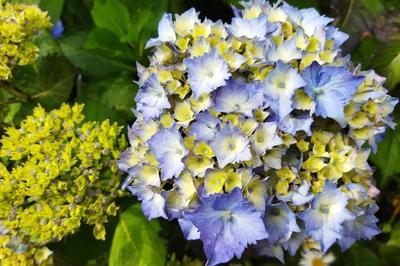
53 7
136 241
386 54
111 15
13 109
96 111
48 82
54 82
47 44
395 236
394 72
375 7
361 256
389 255
93 62
131 21
115 94
103 39
76 15
304 3
387 157
366 51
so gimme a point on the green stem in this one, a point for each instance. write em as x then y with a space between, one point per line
394 215
10 101
349 11
14 90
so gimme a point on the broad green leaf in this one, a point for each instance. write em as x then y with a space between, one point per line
390 255
131 21
387 157
76 15
366 50
54 82
304 3
103 39
115 94
53 7
387 61
394 72
360 256
375 7
112 15
386 54
136 241
395 236
47 44
12 111
97 111
94 62
48 82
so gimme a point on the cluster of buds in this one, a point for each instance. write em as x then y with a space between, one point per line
56 173
19 23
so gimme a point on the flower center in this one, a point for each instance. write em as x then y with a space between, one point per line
260 138
275 212
227 215
324 208
232 146
237 106
281 85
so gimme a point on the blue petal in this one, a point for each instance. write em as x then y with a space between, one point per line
151 99
189 230
206 126
153 204
332 88
280 222
206 73
227 225
272 251
238 97
167 146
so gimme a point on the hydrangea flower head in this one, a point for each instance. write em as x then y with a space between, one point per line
57 169
256 132
19 23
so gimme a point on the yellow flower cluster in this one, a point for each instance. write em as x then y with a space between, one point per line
368 112
18 24
31 256
57 173
333 156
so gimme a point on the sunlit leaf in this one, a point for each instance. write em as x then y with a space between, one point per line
111 15
394 72
136 241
